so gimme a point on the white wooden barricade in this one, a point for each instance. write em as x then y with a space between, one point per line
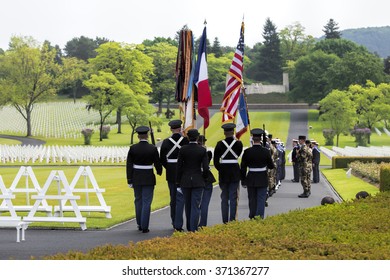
29 174
13 220
59 177
86 172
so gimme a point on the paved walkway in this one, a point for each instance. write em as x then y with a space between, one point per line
25 140
41 242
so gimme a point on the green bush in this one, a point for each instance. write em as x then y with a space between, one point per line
356 230
342 162
384 182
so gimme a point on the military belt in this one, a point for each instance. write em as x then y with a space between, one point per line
136 166
228 161
262 169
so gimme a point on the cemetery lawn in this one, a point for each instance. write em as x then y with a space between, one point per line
346 187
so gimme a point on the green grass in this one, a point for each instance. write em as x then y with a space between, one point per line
347 187
4 141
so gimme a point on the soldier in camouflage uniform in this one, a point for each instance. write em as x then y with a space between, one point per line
304 158
272 172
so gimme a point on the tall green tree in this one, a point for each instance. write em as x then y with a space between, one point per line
339 111
216 48
29 75
309 77
129 64
355 68
106 92
294 43
83 47
140 112
367 99
270 60
339 47
331 30
163 80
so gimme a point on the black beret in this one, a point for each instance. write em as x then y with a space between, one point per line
302 137
269 135
257 132
193 133
228 126
175 124
142 129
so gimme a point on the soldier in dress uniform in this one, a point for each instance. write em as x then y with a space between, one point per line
254 164
168 156
304 158
192 171
226 154
208 190
316 162
140 176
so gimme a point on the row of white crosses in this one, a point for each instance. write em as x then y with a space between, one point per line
65 192
362 151
68 154
52 120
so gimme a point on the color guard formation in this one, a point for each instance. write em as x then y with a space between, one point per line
186 160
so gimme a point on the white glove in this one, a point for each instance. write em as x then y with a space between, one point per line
179 190
130 186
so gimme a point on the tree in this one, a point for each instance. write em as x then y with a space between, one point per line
83 47
105 91
339 47
331 30
309 77
355 68
163 80
156 40
294 43
140 112
368 99
29 75
338 109
218 69
386 64
216 48
73 73
269 66
129 64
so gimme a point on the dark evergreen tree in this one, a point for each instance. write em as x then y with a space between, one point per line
83 47
270 60
331 30
216 48
386 63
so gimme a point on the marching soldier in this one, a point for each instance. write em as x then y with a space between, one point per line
168 156
140 176
256 160
192 171
304 158
226 154
208 189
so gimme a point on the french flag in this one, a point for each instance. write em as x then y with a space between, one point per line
242 121
201 81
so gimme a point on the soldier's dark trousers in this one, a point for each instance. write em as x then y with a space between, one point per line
204 206
256 199
178 222
229 201
172 204
192 200
143 196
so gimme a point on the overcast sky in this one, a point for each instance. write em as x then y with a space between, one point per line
133 21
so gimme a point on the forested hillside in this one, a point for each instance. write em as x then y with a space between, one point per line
375 39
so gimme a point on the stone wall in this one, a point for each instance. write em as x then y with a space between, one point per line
259 88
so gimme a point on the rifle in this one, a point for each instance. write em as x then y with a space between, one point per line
264 137
152 134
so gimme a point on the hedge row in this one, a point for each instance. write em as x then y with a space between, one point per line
342 162
357 230
384 181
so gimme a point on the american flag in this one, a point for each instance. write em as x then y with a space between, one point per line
233 87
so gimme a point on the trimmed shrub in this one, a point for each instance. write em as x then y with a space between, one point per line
384 181
342 162
329 135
